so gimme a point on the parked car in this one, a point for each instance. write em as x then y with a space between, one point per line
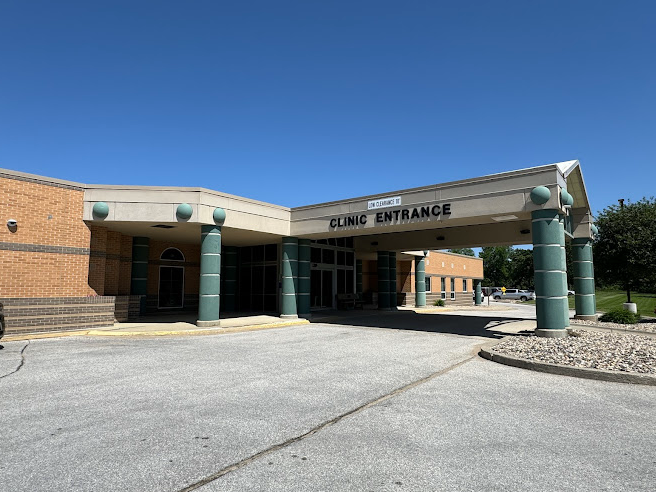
514 294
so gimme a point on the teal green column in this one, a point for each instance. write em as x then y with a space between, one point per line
383 280
550 274
478 299
420 281
210 276
139 275
289 267
392 280
304 278
229 271
563 264
584 285
358 277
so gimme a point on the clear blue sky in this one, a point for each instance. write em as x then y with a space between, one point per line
306 101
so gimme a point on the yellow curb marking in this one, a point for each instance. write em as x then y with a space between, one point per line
114 333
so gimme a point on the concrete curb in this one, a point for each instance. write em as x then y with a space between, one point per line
613 330
487 352
137 333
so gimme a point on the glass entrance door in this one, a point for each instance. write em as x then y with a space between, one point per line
321 288
326 288
171 287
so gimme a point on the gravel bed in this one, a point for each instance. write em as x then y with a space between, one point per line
595 350
642 325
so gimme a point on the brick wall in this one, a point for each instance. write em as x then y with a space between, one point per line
45 314
112 262
47 254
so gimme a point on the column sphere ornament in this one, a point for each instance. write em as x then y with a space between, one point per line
566 198
540 195
184 211
219 216
101 210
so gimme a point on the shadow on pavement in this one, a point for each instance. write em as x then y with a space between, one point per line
464 325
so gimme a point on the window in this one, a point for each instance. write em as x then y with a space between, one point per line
328 256
453 288
464 285
443 287
172 254
428 284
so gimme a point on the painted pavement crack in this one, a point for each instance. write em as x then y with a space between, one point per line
20 365
320 427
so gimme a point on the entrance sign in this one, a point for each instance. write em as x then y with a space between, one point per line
390 217
384 203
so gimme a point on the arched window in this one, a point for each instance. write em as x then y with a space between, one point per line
172 254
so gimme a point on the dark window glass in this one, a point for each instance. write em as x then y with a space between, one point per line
341 281
349 281
246 254
245 289
327 297
172 254
331 241
328 256
341 258
271 252
270 303
428 284
322 241
315 288
349 242
350 259
258 280
270 280
315 255
340 242
257 303
258 253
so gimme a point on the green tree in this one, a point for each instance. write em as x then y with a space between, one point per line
521 269
625 248
463 251
496 265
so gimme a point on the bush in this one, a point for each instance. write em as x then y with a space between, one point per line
439 302
621 316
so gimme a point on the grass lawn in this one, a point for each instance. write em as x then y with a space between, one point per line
607 300
613 299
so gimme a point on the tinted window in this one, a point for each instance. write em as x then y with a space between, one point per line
172 254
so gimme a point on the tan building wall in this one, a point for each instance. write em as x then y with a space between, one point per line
440 264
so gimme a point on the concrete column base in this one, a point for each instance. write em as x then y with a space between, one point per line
546 333
586 317
289 316
208 324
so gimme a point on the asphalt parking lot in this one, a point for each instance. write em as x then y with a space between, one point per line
393 401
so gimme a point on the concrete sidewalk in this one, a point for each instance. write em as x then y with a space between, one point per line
159 327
